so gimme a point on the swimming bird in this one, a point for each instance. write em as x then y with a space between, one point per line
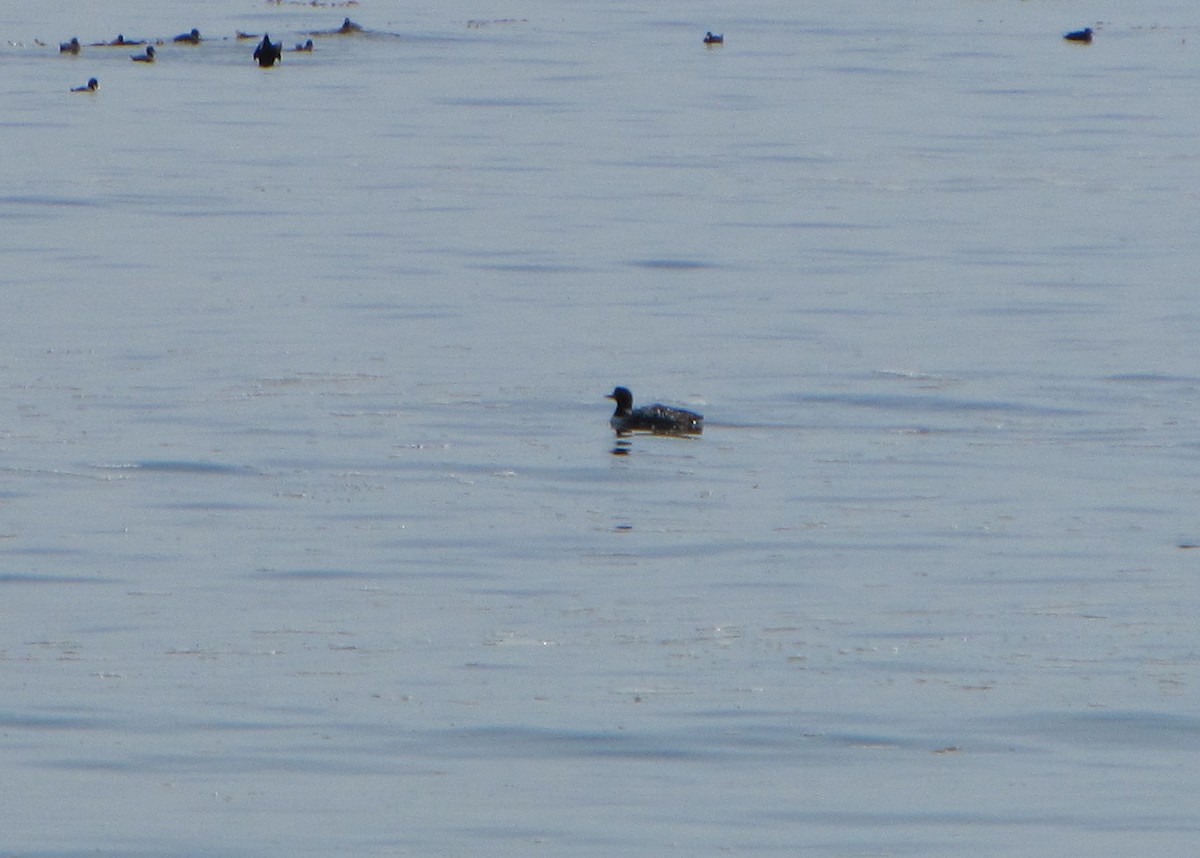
714 39
268 54
147 57
119 42
348 26
305 48
1084 35
192 38
659 419
71 47
91 86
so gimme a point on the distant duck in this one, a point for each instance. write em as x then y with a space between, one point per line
119 42
714 39
240 36
71 47
305 48
348 26
192 38
1084 35
660 419
91 86
147 57
268 54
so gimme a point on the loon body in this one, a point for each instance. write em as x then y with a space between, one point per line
660 419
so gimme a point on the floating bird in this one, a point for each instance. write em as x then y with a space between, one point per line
147 57
192 38
91 86
714 39
119 42
268 54
71 47
305 48
1084 35
659 419
348 26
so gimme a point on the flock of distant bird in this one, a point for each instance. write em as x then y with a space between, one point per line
266 53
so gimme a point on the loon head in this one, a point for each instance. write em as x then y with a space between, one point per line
623 398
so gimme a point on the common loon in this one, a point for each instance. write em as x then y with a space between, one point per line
147 57
268 54
660 419
1084 35
714 39
91 86
192 38
71 47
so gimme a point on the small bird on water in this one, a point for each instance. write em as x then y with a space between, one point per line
119 42
711 38
268 54
91 86
659 419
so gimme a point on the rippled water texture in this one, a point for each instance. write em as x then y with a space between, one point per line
313 540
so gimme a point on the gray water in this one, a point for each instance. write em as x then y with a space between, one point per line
314 539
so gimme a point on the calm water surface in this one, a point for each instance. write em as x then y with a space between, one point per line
312 536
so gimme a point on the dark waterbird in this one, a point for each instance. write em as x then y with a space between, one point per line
1084 35
119 42
71 47
305 48
714 39
268 54
91 86
192 38
659 419
147 57
348 26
